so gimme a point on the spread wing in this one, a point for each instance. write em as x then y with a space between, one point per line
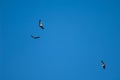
35 37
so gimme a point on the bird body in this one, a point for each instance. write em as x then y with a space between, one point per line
41 24
103 64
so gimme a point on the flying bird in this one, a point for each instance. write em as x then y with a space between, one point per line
35 37
103 64
40 24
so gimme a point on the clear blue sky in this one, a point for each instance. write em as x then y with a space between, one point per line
78 35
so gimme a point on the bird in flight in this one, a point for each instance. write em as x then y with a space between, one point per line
103 64
35 37
40 24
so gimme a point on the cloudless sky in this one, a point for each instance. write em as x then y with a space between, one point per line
78 34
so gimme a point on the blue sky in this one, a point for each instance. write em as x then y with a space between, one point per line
78 34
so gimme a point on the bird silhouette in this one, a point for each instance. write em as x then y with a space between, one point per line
103 64
41 24
35 37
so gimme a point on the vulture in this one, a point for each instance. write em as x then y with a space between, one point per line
35 37
103 64
40 24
